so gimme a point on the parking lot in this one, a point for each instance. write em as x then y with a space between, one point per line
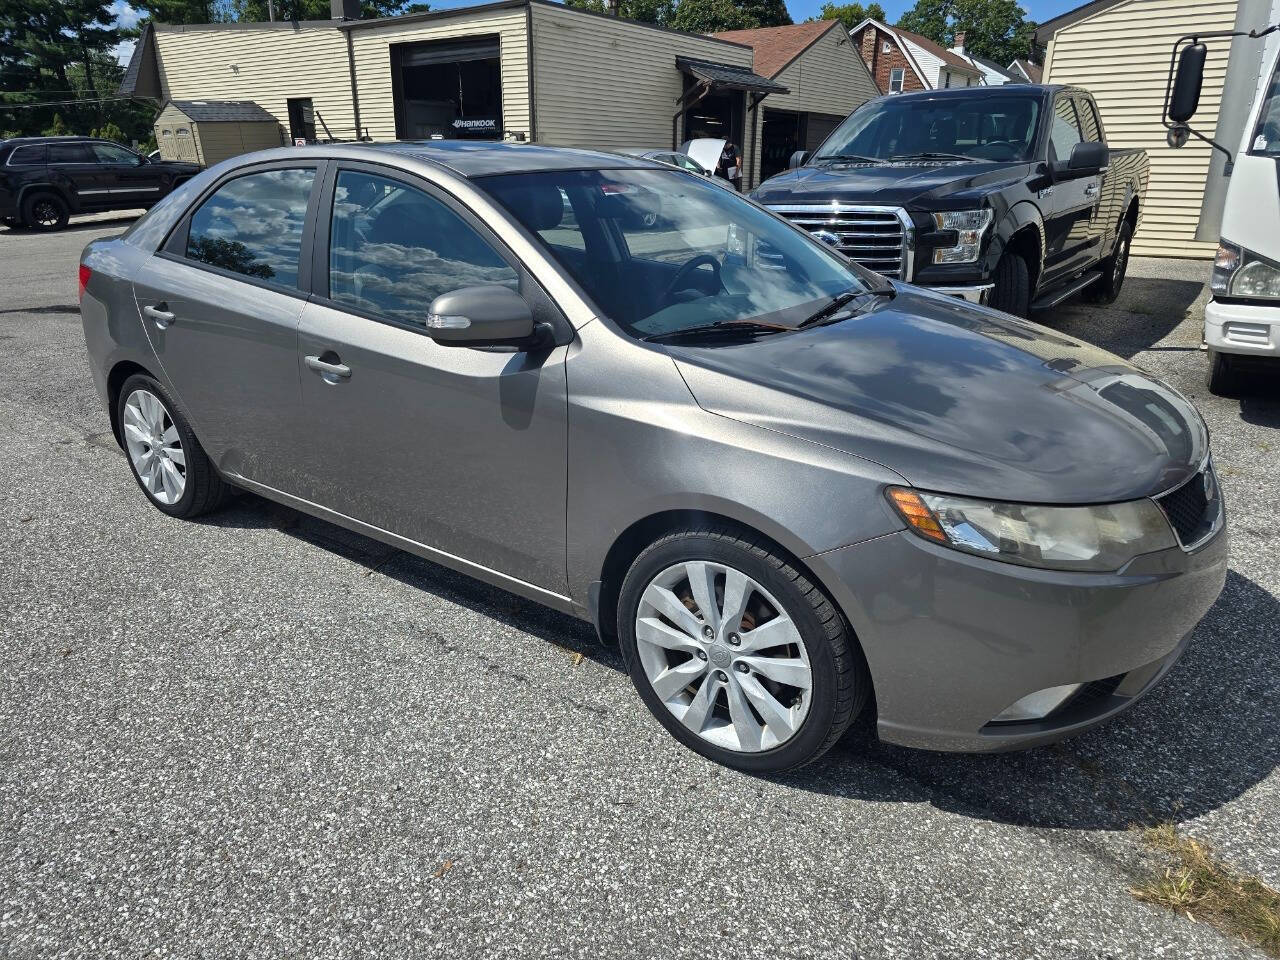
260 735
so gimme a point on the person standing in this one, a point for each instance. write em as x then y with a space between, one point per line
730 165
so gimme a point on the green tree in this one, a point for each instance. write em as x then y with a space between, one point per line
710 16
109 131
995 29
766 13
645 11
256 10
850 14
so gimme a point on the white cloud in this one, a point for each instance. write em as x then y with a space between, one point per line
126 16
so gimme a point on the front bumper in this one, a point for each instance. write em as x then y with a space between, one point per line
978 293
1243 328
953 640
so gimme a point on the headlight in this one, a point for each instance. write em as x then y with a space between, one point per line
1238 272
1058 538
969 225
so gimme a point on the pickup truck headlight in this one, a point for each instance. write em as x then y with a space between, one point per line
1099 538
969 226
1238 272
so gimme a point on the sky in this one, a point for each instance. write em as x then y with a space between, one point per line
1038 10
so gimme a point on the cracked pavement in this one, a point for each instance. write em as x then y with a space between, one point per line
260 735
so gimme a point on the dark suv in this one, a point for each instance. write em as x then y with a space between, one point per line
43 180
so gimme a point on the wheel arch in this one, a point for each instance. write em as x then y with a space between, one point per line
121 372
43 186
1026 237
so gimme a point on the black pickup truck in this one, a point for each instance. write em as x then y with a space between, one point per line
43 180
1002 195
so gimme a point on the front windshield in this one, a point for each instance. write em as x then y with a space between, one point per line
1266 138
663 251
991 128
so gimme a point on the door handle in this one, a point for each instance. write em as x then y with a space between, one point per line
327 369
161 317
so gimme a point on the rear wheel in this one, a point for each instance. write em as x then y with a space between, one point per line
45 211
166 458
1221 379
1114 268
1011 285
737 653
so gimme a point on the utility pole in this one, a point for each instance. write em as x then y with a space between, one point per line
271 10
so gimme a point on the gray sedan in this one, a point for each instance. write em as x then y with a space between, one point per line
787 488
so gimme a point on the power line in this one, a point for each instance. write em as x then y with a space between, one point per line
58 103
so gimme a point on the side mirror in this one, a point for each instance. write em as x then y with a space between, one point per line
489 315
798 159
1185 99
1088 159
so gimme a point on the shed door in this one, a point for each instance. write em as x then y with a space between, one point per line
185 144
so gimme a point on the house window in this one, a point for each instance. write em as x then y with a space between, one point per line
887 48
896 77
946 80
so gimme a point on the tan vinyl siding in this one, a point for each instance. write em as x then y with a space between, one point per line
1121 56
221 140
829 77
263 63
605 84
373 64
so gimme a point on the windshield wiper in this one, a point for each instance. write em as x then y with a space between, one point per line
857 157
838 302
731 327
931 155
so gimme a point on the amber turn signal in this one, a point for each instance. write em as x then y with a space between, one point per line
917 513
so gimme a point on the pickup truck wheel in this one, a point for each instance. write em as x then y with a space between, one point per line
1113 268
738 654
1012 285
1221 379
44 211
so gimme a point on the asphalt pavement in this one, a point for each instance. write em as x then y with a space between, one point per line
259 735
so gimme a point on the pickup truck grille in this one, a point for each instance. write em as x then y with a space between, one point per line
879 238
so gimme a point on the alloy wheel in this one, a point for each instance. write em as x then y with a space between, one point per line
44 213
1121 264
723 656
154 447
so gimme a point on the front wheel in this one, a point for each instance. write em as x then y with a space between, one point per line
737 653
1011 285
1221 379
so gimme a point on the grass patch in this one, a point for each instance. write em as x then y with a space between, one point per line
1194 883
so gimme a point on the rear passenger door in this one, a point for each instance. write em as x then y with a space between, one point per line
73 167
220 303
1071 202
460 449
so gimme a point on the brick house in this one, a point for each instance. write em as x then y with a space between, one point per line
902 61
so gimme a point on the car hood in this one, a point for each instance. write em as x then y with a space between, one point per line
961 399
908 183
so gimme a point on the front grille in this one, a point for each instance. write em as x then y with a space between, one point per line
1193 508
876 237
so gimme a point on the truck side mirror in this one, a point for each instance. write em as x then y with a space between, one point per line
1088 159
1185 98
798 159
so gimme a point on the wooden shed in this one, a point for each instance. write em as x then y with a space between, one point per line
209 131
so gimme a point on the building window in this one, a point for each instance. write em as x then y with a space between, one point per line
302 120
946 80
896 77
887 48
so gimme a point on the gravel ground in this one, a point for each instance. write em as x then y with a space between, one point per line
263 736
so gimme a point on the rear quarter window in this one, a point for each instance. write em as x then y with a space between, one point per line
27 155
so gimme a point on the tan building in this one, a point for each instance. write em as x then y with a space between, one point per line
207 132
1119 51
517 69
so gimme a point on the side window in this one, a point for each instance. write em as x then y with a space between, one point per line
70 153
252 225
112 153
896 77
393 249
1088 120
1065 133
30 154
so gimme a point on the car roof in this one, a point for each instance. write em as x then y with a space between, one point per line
479 158
1037 90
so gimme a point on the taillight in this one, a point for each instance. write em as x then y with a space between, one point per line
85 274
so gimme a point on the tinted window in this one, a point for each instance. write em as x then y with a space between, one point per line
994 127
1065 133
70 153
113 153
31 153
1088 121
253 225
394 249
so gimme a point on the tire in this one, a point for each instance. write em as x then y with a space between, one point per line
44 211
1114 268
1011 290
1221 379
148 428
818 649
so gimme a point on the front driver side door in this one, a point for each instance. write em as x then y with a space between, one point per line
462 450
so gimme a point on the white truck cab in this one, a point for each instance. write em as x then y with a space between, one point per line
1243 318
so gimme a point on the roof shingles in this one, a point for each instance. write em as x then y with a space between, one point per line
776 47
